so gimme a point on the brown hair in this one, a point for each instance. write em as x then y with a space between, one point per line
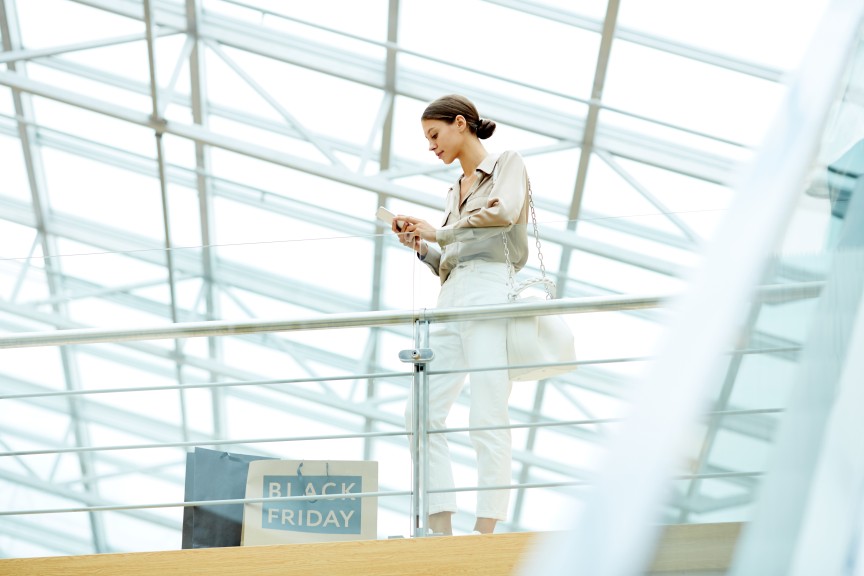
446 108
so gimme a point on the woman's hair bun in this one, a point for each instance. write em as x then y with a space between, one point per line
485 128
447 108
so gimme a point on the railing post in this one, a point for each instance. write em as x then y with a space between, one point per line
419 356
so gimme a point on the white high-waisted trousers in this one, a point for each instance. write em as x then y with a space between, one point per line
462 346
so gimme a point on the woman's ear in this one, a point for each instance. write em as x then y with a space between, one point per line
460 122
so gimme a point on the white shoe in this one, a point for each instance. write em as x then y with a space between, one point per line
476 532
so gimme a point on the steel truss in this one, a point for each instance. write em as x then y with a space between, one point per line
211 31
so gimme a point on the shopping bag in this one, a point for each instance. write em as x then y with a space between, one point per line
538 339
214 475
316 519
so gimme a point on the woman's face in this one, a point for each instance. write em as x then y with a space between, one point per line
445 139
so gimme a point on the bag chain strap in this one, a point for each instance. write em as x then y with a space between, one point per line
510 267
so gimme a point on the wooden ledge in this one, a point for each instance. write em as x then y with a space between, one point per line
685 547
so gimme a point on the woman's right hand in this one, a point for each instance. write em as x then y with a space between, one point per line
407 235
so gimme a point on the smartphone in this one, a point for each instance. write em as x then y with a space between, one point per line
387 216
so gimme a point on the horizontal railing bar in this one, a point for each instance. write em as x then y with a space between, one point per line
568 483
235 501
319 322
615 303
116 507
779 293
747 412
202 442
198 385
304 380
557 423
592 421
716 475
250 441
561 484
366 376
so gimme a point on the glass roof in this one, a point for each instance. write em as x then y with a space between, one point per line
282 127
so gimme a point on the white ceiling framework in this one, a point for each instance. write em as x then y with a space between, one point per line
245 185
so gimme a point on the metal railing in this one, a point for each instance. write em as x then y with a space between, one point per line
419 430
774 293
320 322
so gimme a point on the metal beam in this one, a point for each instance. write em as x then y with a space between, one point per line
22 55
563 16
40 204
351 224
242 193
199 103
166 18
319 322
586 146
558 124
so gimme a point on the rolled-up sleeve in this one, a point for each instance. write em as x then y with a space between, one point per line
432 259
502 208
475 228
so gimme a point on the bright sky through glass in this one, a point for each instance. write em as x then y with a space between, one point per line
294 99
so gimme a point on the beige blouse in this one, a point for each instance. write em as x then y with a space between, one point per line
473 229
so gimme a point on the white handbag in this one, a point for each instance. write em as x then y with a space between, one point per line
536 339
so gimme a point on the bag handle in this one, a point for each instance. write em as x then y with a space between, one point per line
548 284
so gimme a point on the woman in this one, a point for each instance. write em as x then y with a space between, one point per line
482 207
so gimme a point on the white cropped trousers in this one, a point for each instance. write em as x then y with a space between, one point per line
463 346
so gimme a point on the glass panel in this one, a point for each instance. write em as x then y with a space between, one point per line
698 203
37 31
7 108
591 8
126 60
22 271
553 177
279 81
293 248
14 183
94 126
185 213
494 50
293 190
180 154
782 337
715 147
297 237
367 19
35 368
104 194
690 94
710 26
